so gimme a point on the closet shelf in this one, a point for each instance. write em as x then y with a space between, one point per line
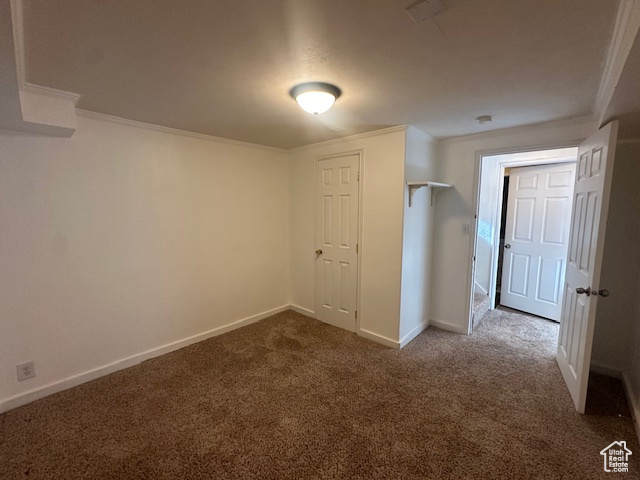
435 187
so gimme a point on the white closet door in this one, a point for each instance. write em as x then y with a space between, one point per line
336 243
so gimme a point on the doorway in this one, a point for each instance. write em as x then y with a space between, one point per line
522 198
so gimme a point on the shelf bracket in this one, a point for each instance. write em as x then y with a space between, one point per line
434 188
434 193
412 191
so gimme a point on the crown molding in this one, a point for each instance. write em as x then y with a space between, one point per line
174 131
17 24
583 120
359 136
624 34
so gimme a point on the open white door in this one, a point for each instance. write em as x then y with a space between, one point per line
336 243
536 238
582 282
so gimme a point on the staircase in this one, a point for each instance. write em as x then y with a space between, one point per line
481 305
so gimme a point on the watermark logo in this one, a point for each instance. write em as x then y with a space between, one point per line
616 457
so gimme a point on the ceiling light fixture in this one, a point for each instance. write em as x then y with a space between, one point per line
315 97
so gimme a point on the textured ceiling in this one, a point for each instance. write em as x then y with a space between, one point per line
224 67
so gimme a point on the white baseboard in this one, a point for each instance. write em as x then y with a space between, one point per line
363 333
302 310
412 334
449 326
74 380
633 402
478 289
378 338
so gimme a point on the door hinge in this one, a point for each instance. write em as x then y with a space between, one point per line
358 176
356 248
356 314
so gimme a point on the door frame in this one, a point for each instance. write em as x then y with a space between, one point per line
502 165
316 160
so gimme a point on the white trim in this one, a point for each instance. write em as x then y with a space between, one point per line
586 120
412 334
624 33
361 187
302 311
450 327
473 247
159 128
358 136
17 25
477 288
382 340
633 404
74 380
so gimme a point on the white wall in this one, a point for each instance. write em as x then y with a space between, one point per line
621 263
617 336
122 239
420 158
382 181
457 165
631 372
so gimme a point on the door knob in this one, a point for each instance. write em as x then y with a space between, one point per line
602 293
318 252
507 246
586 291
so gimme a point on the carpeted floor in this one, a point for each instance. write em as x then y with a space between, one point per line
292 398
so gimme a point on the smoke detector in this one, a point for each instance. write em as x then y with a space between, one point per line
425 10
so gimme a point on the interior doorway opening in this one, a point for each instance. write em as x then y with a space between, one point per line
523 213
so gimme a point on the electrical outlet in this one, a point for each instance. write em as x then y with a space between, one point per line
26 370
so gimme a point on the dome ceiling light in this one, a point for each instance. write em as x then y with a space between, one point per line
315 97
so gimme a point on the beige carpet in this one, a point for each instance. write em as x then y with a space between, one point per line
293 398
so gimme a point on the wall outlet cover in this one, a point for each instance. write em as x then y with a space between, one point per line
26 370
